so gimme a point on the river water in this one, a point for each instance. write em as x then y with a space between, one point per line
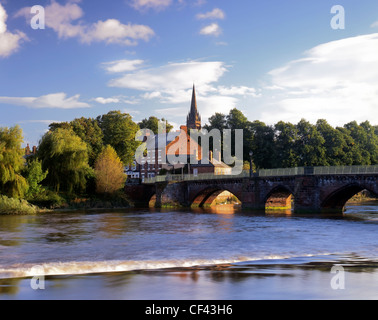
218 254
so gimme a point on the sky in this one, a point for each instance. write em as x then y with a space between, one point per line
273 60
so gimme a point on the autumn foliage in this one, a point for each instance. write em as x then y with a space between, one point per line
109 172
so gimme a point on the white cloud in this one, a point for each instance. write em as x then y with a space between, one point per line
9 42
152 95
106 100
122 65
118 99
65 21
235 91
337 81
54 100
150 4
215 14
113 31
171 84
211 30
173 77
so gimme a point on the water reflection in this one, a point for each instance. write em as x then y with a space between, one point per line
225 209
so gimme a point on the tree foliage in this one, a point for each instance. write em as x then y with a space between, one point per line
109 172
152 123
286 145
12 183
119 131
89 131
34 175
65 156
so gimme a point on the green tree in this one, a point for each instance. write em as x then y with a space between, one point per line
65 156
286 136
12 183
217 121
89 131
109 172
310 145
152 123
237 120
334 143
365 142
119 131
351 152
34 175
261 142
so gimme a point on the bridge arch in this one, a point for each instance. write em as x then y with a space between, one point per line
207 196
337 200
152 201
279 198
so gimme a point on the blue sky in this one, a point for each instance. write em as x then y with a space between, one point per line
272 59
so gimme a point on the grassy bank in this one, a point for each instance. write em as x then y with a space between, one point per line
10 206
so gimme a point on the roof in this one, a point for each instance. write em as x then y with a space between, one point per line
153 143
212 163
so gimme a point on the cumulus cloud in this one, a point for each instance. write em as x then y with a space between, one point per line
171 84
214 14
211 30
337 81
118 99
172 77
150 4
54 100
66 21
9 42
106 100
122 65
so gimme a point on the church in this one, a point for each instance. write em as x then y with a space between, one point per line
178 143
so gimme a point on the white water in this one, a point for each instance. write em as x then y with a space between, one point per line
72 244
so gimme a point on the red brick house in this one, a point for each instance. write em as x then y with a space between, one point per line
177 144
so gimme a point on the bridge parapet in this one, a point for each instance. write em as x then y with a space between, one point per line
282 172
312 188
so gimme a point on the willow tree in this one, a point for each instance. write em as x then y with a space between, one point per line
12 183
109 172
65 156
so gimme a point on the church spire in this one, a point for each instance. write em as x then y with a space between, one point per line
194 119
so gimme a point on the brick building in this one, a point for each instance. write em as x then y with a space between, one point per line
177 144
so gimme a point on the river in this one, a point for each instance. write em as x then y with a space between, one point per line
218 254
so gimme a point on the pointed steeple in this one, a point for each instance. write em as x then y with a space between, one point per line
194 119
193 108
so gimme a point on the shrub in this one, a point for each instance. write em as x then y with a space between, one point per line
11 206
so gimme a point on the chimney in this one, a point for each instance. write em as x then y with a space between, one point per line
184 128
27 150
34 150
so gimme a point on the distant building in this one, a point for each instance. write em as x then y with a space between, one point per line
177 143
30 153
213 165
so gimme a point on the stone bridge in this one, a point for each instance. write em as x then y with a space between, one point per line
308 190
